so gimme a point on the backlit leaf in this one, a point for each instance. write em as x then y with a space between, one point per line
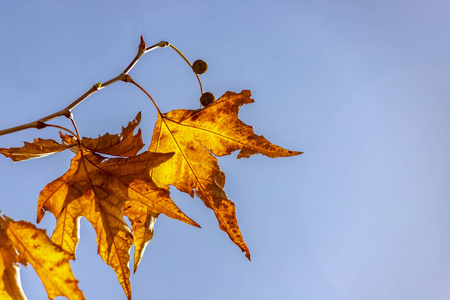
50 262
97 188
196 137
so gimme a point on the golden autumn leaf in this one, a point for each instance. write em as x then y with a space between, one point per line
23 242
108 179
183 153
197 137
97 188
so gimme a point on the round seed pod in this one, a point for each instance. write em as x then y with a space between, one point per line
207 98
199 66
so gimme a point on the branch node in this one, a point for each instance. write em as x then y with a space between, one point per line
67 114
127 78
40 125
98 86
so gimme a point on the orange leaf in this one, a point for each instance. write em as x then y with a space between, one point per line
194 136
97 188
50 262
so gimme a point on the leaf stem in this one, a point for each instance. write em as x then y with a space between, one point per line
76 130
95 88
129 79
60 127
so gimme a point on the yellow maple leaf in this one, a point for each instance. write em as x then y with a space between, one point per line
104 190
23 242
196 137
97 188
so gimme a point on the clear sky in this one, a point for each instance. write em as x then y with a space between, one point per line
360 86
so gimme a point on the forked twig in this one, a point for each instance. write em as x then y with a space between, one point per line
67 110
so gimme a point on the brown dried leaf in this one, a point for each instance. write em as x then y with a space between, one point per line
39 148
124 144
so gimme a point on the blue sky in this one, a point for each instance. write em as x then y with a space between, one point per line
360 86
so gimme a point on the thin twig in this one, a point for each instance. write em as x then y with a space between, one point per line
67 111
76 129
189 63
60 127
129 79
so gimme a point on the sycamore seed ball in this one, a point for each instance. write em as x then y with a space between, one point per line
207 98
199 66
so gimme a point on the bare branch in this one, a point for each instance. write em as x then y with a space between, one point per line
67 110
